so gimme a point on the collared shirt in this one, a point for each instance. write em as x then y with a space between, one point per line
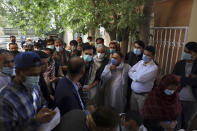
77 90
18 107
4 81
143 76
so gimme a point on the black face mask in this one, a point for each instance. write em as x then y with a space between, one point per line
15 52
13 41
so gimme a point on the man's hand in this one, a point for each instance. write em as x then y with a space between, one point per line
45 115
112 67
54 79
87 87
169 126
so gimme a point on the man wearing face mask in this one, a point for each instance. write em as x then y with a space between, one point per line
73 48
67 96
21 105
114 82
50 44
48 93
186 70
100 61
88 81
143 75
136 54
100 41
6 67
62 57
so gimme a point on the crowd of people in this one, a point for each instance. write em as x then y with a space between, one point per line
95 87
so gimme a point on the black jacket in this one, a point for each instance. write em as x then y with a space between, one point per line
179 70
132 58
66 97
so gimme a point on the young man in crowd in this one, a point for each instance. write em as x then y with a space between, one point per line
13 47
186 69
143 75
46 91
112 48
88 81
135 55
6 68
50 44
90 40
67 95
21 104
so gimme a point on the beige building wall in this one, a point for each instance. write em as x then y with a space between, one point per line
192 36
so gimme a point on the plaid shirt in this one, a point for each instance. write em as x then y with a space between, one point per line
18 106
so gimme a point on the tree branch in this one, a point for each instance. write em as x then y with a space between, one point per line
93 3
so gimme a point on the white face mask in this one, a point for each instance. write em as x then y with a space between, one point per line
100 55
31 81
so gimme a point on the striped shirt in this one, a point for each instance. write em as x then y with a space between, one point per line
18 106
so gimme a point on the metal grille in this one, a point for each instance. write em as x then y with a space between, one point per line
169 43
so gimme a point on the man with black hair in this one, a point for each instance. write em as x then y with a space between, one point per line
13 39
89 80
133 57
21 104
46 92
13 47
67 97
80 40
187 71
6 68
90 40
136 54
133 122
143 75
103 119
50 44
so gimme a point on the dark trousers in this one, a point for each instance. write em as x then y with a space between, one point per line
189 109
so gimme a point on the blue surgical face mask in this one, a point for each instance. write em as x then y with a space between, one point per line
31 81
114 61
8 71
51 47
186 56
137 51
146 58
112 51
169 92
87 58
59 49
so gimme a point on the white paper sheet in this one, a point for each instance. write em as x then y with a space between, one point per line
53 123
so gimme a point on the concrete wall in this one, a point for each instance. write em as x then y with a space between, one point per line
68 36
173 13
192 36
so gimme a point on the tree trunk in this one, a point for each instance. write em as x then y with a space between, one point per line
145 27
92 32
125 41
112 34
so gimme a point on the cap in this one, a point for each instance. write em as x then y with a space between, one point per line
26 60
